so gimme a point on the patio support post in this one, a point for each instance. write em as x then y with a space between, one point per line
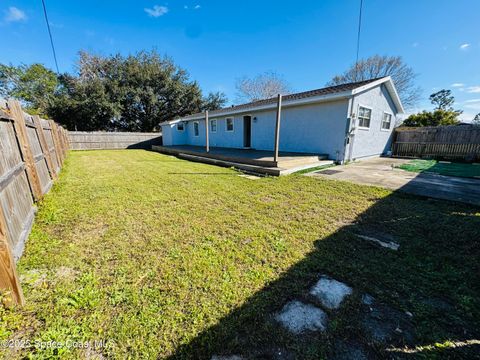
207 141
277 127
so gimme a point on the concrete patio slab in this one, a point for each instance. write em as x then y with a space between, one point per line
382 172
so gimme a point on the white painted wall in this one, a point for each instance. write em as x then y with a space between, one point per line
373 141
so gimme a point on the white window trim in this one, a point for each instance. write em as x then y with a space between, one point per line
358 117
233 124
391 120
183 127
216 125
198 125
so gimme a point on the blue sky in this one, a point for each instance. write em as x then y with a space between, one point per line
218 41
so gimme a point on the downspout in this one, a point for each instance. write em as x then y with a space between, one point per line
350 132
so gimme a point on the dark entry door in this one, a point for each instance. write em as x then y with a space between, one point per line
247 131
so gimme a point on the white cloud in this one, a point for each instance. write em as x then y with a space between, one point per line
457 85
15 14
185 7
415 44
473 89
156 11
472 101
464 46
197 7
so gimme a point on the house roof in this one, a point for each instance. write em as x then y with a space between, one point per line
329 93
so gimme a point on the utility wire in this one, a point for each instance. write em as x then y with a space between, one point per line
50 35
358 37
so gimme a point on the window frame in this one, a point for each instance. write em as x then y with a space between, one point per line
369 120
233 124
183 126
216 125
197 132
389 124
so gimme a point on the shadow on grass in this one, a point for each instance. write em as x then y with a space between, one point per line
425 293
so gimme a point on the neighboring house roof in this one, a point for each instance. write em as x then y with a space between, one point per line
319 95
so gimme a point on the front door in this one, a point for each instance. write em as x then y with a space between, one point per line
247 131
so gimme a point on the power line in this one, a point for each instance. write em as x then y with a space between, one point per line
50 35
358 37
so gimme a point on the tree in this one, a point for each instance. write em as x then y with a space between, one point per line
443 100
476 120
128 93
34 85
432 118
443 113
378 66
214 101
262 86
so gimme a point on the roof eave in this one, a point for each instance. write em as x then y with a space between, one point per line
286 104
390 87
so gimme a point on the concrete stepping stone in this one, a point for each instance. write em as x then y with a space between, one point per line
330 292
298 317
386 244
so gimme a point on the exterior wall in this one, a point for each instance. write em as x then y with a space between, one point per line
373 141
171 136
317 128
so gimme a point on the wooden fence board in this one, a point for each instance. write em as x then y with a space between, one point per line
27 169
44 147
22 137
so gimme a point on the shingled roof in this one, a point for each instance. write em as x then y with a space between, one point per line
323 92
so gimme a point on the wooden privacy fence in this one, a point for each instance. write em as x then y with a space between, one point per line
83 140
461 142
32 151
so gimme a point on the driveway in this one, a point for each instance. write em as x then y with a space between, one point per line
381 172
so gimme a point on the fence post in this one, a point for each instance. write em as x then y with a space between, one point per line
22 137
44 145
9 282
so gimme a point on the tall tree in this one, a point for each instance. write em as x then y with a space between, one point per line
476 119
133 93
34 85
262 86
380 66
443 114
443 100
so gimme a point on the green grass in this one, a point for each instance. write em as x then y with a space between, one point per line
442 168
167 258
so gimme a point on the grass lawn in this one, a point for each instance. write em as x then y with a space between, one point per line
165 258
443 168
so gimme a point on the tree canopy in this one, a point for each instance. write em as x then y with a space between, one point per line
125 93
443 113
380 66
34 84
261 86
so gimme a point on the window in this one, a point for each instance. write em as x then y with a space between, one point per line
213 125
180 126
386 121
195 128
364 116
229 124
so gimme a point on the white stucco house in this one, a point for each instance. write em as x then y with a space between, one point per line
345 122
